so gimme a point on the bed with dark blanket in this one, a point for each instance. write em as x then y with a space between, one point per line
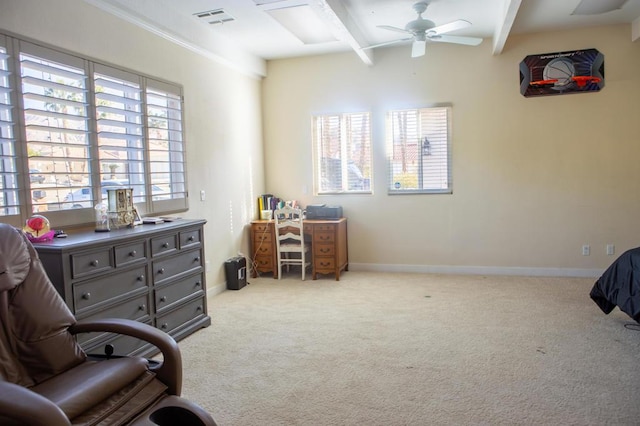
619 285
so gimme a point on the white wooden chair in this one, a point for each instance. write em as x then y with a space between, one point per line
290 245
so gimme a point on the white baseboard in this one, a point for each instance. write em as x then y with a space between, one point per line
478 270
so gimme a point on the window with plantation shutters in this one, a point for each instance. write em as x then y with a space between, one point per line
9 201
119 115
342 153
166 144
71 127
56 126
418 147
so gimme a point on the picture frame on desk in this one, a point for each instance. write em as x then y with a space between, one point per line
137 220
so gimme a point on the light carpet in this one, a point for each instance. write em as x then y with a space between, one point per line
414 349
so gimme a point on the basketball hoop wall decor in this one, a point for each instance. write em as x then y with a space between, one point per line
561 73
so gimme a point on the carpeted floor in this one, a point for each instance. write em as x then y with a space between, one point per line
414 349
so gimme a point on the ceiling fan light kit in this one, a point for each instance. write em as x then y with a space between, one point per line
422 30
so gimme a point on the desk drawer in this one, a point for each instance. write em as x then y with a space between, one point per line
325 228
324 264
87 295
84 264
325 249
324 237
181 264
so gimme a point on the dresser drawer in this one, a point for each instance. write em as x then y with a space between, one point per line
99 291
164 245
131 253
166 297
172 320
122 345
137 309
93 262
264 263
190 239
180 264
263 250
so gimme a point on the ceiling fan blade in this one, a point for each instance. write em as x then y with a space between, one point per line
386 43
469 41
451 26
418 48
396 29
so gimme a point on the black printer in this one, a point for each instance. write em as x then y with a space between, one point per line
322 211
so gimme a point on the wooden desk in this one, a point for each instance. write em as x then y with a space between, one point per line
329 254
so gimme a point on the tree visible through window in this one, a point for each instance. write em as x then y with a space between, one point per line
418 150
342 153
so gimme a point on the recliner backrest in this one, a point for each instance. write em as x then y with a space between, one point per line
34 340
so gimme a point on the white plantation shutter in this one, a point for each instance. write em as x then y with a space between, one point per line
418 145
55 107
166 144
120 131
9 201
70 126
342 153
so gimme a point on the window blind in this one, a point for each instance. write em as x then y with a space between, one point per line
54 102
166 144
342 151
418 150
9 201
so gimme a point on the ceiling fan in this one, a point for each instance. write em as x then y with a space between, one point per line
423 30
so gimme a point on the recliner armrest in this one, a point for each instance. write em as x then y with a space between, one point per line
169 371
27 407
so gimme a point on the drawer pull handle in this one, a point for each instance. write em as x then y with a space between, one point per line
324 250
86 296
324 264
141 278
191 238
161 271
164 326
165 245
196 259
133 253
199 308
94 263
198 283
163 299
142 307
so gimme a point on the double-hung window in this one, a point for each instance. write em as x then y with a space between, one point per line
71 127
342 153
418 150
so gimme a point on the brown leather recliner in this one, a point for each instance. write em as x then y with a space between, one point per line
46 378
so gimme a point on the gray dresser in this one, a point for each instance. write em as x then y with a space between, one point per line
149 273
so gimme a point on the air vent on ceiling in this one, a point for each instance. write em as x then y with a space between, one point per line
218 16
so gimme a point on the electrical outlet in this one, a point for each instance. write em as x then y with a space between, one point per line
586 250
611 249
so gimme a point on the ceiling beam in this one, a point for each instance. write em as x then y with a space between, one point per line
345 27
503 27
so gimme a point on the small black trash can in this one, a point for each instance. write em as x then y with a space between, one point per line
236 272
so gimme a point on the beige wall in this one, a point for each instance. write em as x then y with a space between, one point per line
223 116
533 178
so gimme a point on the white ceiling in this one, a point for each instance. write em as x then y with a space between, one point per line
254 35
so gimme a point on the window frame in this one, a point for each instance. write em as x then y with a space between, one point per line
347 161
149 201
444 152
